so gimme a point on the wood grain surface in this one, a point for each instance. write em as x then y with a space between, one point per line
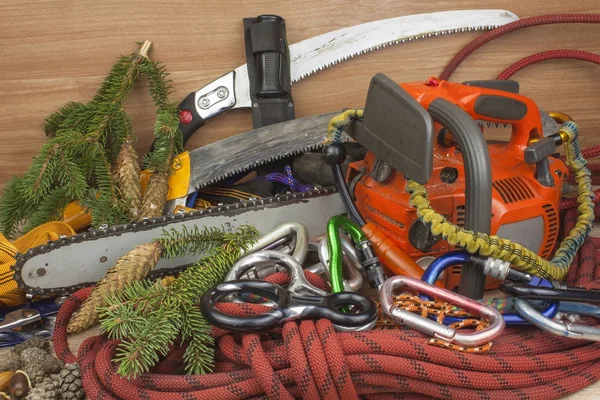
53 51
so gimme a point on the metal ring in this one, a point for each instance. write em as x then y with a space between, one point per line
298 283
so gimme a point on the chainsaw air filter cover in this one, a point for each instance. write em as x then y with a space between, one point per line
397 128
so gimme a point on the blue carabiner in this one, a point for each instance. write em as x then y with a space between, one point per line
435 269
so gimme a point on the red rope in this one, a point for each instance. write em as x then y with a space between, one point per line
513 26
312 361
549 55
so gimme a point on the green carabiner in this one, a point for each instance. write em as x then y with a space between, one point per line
334 244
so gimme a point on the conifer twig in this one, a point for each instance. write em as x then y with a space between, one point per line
149 318
84 141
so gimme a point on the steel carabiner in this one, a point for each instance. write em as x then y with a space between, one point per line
491 268
352 267
298 283
433 328
573 331
290 237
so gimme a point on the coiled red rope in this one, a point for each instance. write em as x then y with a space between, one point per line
310 360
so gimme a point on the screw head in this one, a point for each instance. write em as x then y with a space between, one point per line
204 102
222 93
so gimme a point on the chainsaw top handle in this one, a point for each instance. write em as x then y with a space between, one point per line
487 104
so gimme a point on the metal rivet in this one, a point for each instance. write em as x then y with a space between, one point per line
103 259
41 271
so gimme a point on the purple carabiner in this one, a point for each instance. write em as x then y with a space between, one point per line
433 328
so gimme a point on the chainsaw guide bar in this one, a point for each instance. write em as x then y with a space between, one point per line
95 259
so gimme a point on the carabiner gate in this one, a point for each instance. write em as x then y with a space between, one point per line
573 331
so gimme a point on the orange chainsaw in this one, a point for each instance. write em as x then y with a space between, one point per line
427 132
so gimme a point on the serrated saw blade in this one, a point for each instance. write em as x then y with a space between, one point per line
246 151
317 53
322 51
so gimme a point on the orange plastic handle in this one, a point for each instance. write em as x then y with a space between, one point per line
466 97
391 255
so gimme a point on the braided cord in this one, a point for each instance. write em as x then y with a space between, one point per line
521 257
491 245
336 125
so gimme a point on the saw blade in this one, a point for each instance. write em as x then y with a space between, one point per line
63 266
249 150
323 51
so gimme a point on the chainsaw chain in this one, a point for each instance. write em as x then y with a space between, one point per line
105 231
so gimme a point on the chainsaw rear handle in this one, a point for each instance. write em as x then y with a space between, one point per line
486 104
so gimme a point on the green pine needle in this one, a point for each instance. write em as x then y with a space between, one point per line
190 241
85 140
149 317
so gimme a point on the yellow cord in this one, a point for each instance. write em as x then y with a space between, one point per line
493 246
339 122
519 256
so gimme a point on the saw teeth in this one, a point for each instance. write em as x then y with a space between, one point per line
392 42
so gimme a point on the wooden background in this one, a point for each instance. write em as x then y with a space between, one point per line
52 52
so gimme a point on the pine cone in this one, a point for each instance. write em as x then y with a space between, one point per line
53 365
36 374
46 390
10 362
71 385
133 266
38 364
155 196
36 341
128 179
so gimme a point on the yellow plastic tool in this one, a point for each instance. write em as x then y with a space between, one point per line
179 180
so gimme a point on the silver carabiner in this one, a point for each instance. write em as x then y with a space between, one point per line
351 263
287 238
573 331
433 328
298 283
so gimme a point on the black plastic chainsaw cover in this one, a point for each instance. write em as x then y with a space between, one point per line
397 129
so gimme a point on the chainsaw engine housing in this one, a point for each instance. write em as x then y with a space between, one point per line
523 209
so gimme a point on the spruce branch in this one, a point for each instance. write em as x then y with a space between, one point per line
190 241
53 122
135 266
168 139
85 140
134 313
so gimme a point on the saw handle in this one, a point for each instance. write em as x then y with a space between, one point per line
189 119
485 103
503 107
